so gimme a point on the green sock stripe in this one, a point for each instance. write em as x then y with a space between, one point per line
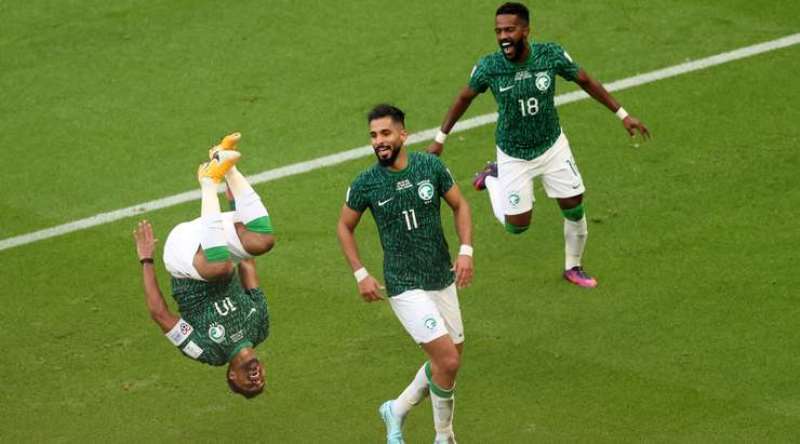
574 214
217 254
262 224
435 389
515 229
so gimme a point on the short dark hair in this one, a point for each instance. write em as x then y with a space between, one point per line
513 8
386 110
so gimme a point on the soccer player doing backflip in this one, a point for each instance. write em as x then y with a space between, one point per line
223 317
529 139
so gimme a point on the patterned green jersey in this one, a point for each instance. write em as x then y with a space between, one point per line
405 206
527 123
218 319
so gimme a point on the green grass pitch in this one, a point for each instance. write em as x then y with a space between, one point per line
691 336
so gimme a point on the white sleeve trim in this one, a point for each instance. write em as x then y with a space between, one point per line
179 332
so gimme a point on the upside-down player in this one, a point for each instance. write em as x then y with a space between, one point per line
223 317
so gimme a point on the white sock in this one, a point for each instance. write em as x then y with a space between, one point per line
496 197
212 239
209 203
248 204
412 395
443 415
575 234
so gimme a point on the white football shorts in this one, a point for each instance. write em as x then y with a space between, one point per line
428 315
184 240
557 168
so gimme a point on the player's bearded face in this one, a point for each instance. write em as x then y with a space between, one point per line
251 376
387 153
512 36
387 139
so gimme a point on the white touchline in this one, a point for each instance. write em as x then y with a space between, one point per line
422 136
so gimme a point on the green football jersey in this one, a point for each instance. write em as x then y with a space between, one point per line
218 319
527 122
405 206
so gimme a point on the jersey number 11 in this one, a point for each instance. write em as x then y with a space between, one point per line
411 219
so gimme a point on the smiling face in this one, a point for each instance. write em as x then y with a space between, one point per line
387 137
511 32
247 378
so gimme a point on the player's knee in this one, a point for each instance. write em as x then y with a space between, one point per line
449 363
516 229
258 243
575 213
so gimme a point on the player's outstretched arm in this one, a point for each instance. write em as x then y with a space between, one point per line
462 217
598 92
459 107
145 249
368 286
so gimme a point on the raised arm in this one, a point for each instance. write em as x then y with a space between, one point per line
145 249
459 107
463 221
598 92
368 286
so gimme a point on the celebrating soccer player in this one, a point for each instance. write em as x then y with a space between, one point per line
403 192
529 139
222 317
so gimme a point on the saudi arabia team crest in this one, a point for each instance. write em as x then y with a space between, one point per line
542 81
425 190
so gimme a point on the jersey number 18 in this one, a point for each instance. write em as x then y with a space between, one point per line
529 107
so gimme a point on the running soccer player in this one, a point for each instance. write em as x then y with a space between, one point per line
530 142
403 192
222 317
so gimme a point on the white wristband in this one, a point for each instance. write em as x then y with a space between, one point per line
465 250
361 274
621 113
441 136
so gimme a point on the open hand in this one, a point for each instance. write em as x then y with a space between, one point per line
632 125
145 242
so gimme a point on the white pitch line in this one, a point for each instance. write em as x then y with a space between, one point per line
422 136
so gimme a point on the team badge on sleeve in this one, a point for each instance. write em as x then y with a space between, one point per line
179 332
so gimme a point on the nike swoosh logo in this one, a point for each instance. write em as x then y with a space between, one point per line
252 310
506 88
382 203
